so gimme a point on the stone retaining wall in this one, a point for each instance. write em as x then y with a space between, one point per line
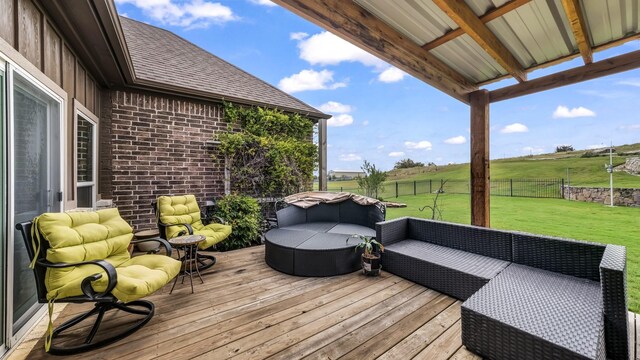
621 196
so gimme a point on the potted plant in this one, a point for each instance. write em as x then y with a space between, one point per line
370 257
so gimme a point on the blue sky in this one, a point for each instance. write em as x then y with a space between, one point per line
381 114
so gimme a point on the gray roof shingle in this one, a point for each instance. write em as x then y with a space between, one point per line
163 58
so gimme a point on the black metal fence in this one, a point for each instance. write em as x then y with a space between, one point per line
534 188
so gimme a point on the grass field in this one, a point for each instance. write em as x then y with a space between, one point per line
571 219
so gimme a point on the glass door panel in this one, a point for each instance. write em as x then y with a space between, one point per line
36 180
3 111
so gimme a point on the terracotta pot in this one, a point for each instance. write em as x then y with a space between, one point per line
371 264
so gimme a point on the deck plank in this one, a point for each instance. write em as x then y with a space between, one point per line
390 335
246 310
444 346
361 327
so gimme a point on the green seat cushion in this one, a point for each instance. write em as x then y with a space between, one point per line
101 235
185 210
143 275
215 233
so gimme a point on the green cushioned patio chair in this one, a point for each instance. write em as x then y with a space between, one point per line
181 215
80 257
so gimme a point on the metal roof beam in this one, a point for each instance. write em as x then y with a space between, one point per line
488 16
578 26
469 22
353 23
591 71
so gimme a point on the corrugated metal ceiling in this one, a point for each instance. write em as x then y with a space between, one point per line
535 33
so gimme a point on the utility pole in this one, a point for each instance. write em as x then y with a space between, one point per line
610 170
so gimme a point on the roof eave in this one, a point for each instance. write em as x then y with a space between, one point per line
143 84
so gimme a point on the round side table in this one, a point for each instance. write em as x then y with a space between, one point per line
147 234
189 244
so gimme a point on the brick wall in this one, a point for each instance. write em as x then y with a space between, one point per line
159 146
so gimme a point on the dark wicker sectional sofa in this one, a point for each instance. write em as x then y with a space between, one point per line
526 296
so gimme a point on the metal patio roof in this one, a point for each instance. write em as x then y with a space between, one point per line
458 46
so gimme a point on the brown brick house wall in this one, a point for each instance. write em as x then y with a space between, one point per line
159 145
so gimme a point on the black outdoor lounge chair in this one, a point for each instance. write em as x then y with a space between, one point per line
83 242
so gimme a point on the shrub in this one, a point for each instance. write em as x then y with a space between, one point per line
407 163
564 148
243 214
588 154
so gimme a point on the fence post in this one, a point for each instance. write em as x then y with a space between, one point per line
563 188
396 189
511 187
414 188
340 188
430 190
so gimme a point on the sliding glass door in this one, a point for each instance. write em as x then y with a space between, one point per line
3 242
35 171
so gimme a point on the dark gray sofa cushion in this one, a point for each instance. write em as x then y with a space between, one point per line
291 215
569 257
351 229
478 240
280 248
454 272
354 213
530 313
311 226
324 213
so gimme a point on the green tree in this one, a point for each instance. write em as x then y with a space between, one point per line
407 163
371 183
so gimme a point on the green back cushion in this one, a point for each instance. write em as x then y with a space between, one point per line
179 210
82 236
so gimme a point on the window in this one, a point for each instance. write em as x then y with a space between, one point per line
86 160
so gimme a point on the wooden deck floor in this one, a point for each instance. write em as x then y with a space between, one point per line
246 310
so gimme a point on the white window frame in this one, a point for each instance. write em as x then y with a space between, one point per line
81 111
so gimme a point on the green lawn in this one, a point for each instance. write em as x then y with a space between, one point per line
571 219
582 172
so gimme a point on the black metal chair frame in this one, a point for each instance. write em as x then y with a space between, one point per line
104 301
204 261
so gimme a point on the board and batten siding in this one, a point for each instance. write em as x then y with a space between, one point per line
26 27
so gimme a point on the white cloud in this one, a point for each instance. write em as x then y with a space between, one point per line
310 80
191 14
327 49
380 147
456 140
535 150
298 35
365 123
340 120
420 145
597 146
349 157
334 107
514 128
563 112
631 82
396 153
263 3
391 75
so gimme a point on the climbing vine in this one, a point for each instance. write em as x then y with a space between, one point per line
272 152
